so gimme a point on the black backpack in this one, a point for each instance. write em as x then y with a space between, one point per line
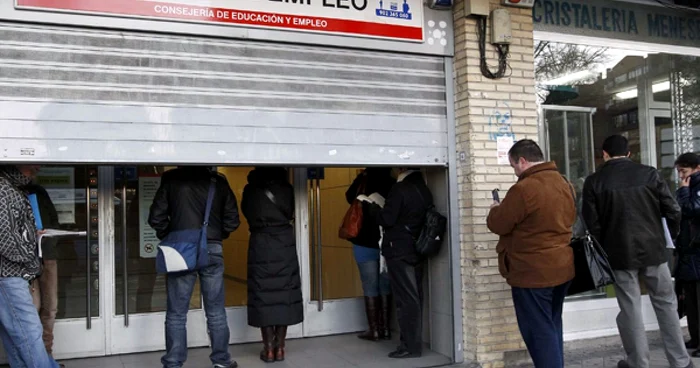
429 242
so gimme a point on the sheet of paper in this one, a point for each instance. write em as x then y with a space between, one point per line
503 144
667 235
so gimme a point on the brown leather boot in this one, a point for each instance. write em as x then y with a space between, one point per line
280 337
384 318
267 355
371 309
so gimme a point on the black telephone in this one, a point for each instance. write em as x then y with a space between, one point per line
494 194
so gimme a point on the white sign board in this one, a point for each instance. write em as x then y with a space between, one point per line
389 19
148 186
503 144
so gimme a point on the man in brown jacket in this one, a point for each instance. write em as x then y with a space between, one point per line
534 223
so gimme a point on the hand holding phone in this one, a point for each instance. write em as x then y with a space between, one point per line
496 197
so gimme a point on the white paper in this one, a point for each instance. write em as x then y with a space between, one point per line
667 235
148 241
375 198
503 144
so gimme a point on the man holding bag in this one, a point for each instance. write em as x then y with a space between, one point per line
534 223
178 205
623 206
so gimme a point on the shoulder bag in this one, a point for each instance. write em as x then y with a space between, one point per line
186 250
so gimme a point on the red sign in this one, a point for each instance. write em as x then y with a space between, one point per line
394 19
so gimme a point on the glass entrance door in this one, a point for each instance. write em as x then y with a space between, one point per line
139 298
331 282
71 280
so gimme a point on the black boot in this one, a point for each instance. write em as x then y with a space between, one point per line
267 355
280 337
384 320
371 309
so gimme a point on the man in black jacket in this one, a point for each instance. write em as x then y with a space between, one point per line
402 218
688 196
623 206
180 204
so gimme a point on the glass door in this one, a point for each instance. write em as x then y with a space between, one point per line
71 280
139 297
331 282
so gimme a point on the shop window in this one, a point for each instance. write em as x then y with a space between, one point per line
635 94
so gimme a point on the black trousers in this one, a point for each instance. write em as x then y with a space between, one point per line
406 277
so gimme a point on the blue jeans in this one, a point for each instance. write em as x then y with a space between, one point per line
373 283
20 327
539 319
179 287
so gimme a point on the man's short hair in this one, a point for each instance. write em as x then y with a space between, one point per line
527 149
616 146
688 160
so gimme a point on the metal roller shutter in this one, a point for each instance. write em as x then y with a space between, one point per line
79 95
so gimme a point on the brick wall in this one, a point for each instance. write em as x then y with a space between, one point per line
490 327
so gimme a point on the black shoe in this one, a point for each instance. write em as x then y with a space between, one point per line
691 344
402 353
623 364
695 354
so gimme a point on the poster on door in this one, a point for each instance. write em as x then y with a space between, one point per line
59 183
390 19
148 186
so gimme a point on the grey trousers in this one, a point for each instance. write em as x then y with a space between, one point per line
659 284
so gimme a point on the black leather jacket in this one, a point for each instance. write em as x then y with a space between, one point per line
623 204
181 199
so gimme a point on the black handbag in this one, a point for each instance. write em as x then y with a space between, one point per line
593 270
592 267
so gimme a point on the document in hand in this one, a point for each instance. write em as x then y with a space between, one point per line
667 235
375 198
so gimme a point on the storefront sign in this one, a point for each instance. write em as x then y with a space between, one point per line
392 19
620 20
148 186
59 183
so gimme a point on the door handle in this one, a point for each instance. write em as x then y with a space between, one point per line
88 265
125 258
319 246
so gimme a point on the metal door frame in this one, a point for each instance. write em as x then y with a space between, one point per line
544 132
322 317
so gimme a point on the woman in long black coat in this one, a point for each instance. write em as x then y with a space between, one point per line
274 285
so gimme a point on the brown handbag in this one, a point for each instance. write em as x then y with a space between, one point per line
352 222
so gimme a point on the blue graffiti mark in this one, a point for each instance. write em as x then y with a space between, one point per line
501 121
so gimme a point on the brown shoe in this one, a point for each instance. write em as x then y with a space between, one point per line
371 309
280 337
267 355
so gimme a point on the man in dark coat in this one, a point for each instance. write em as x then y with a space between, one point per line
623 206
180 204
402 218
274 284
688 196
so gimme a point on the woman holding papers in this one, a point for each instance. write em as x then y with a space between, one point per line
372 186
